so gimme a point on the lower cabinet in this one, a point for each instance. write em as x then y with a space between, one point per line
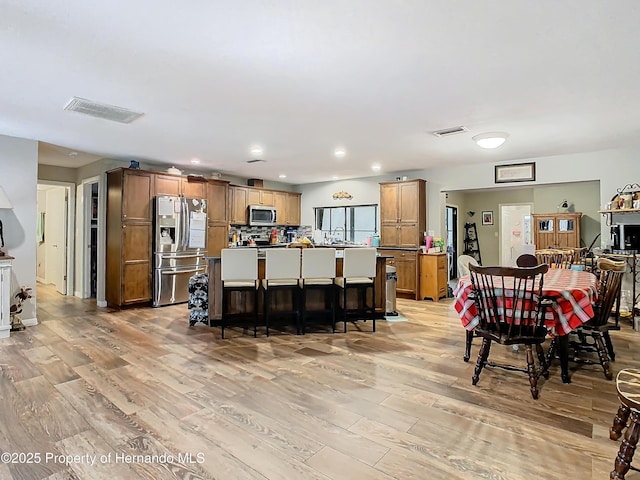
433 276
406 263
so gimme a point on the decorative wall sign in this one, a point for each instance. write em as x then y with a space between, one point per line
487 217
342 196
521 172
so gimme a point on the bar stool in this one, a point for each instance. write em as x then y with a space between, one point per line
239 273
318 273
358 273
628 386
282 272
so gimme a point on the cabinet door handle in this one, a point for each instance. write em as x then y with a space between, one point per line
124 216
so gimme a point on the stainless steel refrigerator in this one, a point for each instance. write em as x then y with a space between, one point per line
180 244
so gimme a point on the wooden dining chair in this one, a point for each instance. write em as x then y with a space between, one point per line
628 387
527 260
593 335
511 312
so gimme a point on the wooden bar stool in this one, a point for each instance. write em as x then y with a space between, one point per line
628 386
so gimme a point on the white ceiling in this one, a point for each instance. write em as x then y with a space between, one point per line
301 77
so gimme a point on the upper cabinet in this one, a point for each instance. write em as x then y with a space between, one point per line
556 230
176 185
238 205
258 196
287 204
402 213
218 202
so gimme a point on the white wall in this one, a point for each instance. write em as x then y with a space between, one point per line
19 178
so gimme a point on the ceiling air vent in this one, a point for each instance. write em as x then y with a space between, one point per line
449 131
101 110
255 161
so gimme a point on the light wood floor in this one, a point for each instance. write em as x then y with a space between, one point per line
397 403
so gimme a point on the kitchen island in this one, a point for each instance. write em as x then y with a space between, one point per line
242 302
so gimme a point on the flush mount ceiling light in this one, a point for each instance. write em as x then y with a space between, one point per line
490 139
256 150
282 175
195 161
340 152
375 168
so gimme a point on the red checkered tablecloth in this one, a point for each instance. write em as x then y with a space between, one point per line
573 291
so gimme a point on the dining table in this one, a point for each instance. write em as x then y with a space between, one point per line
573 293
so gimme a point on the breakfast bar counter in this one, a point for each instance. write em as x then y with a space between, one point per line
215 287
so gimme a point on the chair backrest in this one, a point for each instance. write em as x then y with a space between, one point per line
282 263
239 264
508 300
527 260
318 263
463 264
611 273
555 258
359 262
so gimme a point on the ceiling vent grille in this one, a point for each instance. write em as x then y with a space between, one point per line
255 161
101 110
449 131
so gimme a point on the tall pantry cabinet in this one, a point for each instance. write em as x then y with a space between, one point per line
129 234
402 225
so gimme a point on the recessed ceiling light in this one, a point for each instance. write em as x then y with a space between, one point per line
195 161
490 139
340 152
335 177
282 175
256 150
73 154
376 167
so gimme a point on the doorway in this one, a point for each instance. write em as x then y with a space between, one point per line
451 225
54 235
515 232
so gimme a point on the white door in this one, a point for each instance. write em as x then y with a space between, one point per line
515 232
55 235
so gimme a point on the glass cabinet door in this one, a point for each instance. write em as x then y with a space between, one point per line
565 226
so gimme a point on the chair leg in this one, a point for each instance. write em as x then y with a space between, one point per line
265 308
543 361
531 370
619 422
627 449
602 355
607 341
483 354
467 349
224 310
332 300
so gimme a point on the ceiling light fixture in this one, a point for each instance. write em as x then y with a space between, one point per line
282 175
73 154
376 167
256 150
490 139
340 152
195 161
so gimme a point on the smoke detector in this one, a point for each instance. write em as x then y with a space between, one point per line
101 110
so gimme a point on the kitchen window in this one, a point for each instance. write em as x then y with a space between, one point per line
349 224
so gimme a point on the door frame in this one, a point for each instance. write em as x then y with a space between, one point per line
70 188
500 205
83 257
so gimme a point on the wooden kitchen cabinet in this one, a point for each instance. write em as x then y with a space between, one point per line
258 196
176 186
433 276
406 263
129 235
293 209
238 201
218 217
556 230
402 213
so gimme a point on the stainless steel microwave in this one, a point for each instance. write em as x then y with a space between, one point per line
262 215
